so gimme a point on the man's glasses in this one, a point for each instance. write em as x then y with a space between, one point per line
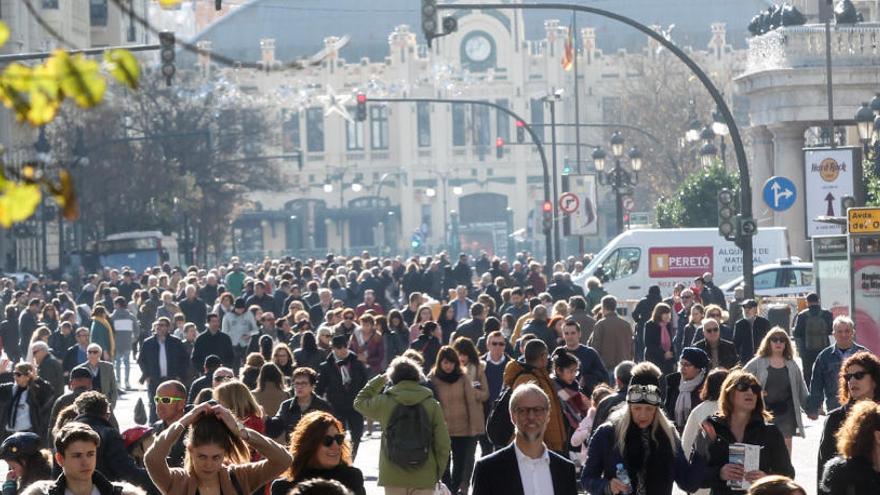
858 375
744 386
301 384
162 399
349 318
329 439
94 352
710 330
531 411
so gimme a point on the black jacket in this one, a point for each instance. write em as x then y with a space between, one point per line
747 337
854 476
59 344
774 454
350 476
290 413
673 381
540 329
265 302
429 346
712 294
40 398
727 356
653 348
71 359
828 443
114 461
341 397
208 343
498 473
59 487
194 311
472 329
175 354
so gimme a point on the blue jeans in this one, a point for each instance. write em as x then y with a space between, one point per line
123 356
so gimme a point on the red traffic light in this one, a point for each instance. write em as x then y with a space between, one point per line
548 206
361 98
499 142
520 123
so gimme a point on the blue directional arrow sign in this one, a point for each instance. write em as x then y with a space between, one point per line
779 193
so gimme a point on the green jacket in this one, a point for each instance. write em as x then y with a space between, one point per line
235 282
374 404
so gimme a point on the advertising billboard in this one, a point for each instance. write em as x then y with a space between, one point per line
679 262
829 175
866 300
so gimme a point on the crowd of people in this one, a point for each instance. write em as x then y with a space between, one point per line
265 377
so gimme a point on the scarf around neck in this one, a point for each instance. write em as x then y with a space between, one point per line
683 404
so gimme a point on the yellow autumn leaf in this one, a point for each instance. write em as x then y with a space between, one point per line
65 195
79 78
18 202
42 109
4 33
167 4
123 67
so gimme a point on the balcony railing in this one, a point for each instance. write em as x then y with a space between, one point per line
804 46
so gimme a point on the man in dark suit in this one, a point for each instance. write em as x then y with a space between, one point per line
162 358
749 331
526 466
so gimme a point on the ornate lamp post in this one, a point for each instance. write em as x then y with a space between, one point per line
618 179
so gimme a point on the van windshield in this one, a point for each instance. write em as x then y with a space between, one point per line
621 263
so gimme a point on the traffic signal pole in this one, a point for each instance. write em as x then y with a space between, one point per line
521 123
744 238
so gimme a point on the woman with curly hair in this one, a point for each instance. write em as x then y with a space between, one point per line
855 470
859 378
216 455
320 450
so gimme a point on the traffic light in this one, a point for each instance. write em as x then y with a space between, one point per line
499 147
429 19
520 132
218 4
726 215
166 54
566 169
547 210
417 239
361 113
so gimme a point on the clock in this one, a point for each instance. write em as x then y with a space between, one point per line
478 48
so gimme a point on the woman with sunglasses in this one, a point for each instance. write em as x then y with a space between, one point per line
741 418
641 442
319 450
785 392
856 470
859 379
216 455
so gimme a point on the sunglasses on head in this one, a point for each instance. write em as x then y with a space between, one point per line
858 375
743 386
161 399
329 439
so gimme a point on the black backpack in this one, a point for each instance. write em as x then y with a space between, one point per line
408 436
499 427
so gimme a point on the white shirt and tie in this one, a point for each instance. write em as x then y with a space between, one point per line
534 473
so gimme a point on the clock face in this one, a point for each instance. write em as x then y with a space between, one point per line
478 48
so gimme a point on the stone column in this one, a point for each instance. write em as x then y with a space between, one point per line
761 169
788 161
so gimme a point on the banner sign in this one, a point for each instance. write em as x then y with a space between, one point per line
829 175
581 214
679 262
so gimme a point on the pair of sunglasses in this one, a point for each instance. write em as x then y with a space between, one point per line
161 399
858 375
329 439
743 386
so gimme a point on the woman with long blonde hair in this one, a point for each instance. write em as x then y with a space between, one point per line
237 397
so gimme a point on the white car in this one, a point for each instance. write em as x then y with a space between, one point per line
780 279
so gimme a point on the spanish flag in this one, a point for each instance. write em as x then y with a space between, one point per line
568 56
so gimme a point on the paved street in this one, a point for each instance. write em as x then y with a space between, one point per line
368 457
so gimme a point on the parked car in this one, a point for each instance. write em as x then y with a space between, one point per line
789 277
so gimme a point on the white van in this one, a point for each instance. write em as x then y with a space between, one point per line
640 258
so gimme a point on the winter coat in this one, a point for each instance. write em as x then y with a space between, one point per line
330 384
208 343
663 467
104 487
113 460
727 355
540 329
374 403
350 477
758 367
824 383
40 398
774 455
461 408
517 373
102 334
429 346
854 476
613 339
270 398
828 441
289 414
653 348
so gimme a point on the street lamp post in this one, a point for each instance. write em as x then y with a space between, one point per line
618 178
551 99
43 149
868 123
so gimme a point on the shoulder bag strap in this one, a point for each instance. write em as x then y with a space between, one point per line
235 483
